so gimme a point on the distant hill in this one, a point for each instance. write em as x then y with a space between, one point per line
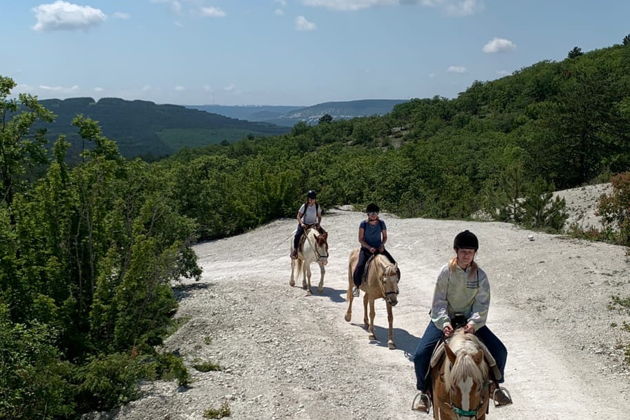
146 129
248 112
288 116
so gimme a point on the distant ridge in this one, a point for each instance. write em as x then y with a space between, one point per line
143 128
290 115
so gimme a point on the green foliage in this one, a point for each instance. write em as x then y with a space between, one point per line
33 381
614 209
108 381
218 413
170 366
626 40
575 52
206 366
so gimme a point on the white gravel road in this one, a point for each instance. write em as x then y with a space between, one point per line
288 356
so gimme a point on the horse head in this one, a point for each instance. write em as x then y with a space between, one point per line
465 376
321 247
389 282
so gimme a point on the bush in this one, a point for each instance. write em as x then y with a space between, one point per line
614 209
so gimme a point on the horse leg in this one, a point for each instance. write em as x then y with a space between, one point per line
365 311
320 286
390 331
349 295
306 282
372 336
292 281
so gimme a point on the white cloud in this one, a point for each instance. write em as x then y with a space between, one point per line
503 72
279 12
212 12
180 88
452 7
98 89
175 5
207 88
59 89
121 15
349 4
463 8
302 24
498 45
230 88
62 15
456 69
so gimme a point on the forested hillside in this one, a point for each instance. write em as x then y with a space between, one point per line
148 130
553 125
89 250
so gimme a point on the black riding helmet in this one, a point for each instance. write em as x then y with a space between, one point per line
466 240
372 208
311 194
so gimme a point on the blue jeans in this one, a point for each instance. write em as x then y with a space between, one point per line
430 338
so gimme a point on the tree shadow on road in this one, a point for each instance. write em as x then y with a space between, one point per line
182 291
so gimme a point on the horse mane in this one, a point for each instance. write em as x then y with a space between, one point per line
465 346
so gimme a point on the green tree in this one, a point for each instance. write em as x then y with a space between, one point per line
575 52
326 118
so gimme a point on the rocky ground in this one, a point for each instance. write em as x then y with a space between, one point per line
286 355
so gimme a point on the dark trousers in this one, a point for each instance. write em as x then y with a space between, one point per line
298 235
429 340
364 255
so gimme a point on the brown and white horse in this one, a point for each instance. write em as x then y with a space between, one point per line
460 383
382 282
313 249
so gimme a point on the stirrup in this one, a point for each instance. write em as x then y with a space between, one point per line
424 398
505 392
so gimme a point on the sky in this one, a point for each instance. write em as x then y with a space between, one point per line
289 52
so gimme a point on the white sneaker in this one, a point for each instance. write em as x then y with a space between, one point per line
356 291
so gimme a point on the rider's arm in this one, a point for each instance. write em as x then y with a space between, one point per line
384 236
300 214
482 302
439 308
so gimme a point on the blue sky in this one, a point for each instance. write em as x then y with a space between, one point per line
289 52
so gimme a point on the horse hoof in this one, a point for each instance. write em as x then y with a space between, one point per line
348 317
309 293
291 283
391 345
372 337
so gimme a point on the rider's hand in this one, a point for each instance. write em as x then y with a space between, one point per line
372 250
469 328
448 331
381 248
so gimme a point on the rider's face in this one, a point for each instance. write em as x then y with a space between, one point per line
373 215
465 256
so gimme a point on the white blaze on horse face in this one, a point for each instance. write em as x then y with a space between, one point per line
466 388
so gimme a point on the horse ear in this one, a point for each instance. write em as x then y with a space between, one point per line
478 357
449 353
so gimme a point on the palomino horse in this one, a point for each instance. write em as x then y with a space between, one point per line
313 249
382 282
460 383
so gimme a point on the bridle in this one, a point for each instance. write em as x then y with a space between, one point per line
316 247
381 284
467 413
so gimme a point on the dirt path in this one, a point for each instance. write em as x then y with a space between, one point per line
286 355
